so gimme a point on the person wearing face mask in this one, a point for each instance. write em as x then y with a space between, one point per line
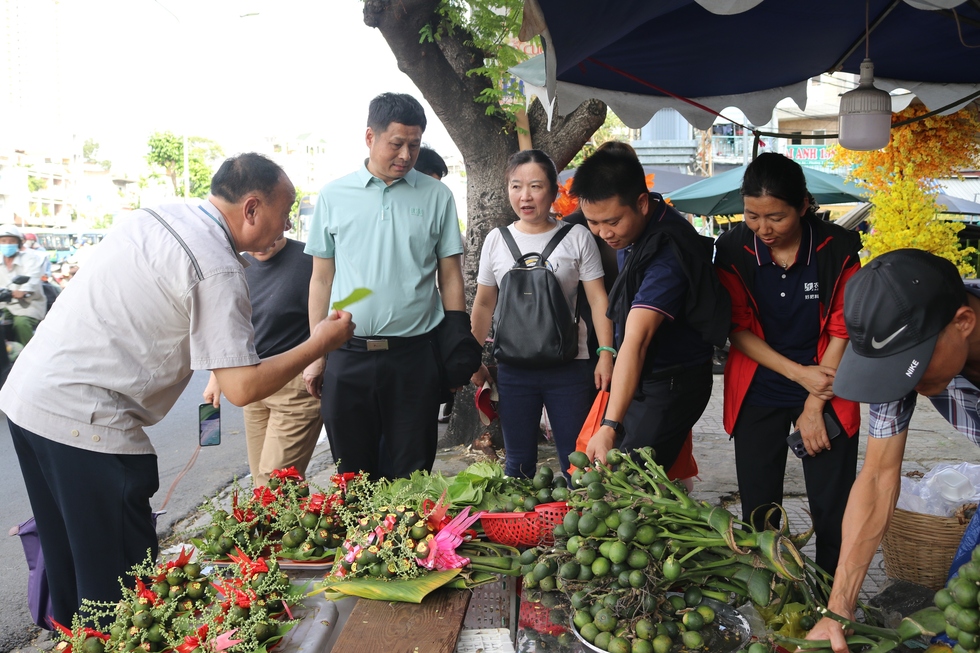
28 305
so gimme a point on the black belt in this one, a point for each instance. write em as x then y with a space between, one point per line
382 344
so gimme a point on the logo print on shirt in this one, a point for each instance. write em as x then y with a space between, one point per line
878 344
416 211
811 290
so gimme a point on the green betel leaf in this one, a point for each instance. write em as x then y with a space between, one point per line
928 621
356 295
406 591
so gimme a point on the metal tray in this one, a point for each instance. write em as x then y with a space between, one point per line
318 621
729 631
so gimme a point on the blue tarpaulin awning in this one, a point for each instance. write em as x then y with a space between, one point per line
640 55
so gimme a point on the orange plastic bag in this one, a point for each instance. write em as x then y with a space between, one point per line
684 467
592 423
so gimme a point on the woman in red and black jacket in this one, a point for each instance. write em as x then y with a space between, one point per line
786 270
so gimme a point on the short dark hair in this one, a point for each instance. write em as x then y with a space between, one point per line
430 163
774 175
533 156
618 147
395 107
609 173
245 173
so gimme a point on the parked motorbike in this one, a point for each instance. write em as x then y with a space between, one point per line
7 355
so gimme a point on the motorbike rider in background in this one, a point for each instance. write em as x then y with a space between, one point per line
28 305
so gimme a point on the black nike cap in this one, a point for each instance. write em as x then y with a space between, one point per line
894 308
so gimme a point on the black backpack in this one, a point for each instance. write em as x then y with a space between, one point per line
533 326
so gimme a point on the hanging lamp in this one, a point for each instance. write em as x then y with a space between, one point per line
865 118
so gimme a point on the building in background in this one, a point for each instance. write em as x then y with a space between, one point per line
816 122
59 190
35 190
103 193
305 158
51 186
13 187
668 142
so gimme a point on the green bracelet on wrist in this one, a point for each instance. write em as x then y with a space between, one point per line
602 349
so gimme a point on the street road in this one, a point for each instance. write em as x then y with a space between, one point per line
175 439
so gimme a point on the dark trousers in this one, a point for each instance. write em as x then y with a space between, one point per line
663 410
381 408
760 463
567 391
93 517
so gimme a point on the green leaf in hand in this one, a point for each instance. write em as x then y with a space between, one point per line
357 295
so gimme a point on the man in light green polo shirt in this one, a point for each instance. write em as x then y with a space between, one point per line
387 228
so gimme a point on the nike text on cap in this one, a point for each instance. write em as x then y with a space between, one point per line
895 308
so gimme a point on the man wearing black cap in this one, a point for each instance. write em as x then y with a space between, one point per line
912 326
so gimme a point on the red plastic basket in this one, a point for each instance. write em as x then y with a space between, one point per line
512 528
536 617
525 528
549 516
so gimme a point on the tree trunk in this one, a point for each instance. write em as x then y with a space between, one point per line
439 69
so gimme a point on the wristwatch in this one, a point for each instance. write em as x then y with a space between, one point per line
614 425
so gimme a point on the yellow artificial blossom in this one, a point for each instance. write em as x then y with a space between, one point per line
900 178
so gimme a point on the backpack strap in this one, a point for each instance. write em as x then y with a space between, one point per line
549 248
511 244
553 243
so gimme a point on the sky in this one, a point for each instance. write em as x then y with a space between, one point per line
231 70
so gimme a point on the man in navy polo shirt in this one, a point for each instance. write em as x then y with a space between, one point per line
668 306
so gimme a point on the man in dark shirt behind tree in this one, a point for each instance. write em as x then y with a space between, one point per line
280 430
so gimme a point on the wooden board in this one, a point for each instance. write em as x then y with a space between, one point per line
429 627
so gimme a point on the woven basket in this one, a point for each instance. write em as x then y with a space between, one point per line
919 548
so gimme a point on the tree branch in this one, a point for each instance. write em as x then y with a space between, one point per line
444 83
567 133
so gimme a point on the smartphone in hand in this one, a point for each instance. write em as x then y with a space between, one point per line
795 439
208 425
